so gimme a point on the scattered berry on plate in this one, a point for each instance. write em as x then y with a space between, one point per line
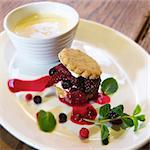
105 141
37 99
28 97
62 117
84 133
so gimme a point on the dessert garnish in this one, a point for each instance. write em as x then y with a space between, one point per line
84 133
46 121
78 85
28 97
117 116
107 118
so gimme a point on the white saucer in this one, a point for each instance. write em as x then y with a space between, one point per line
119 57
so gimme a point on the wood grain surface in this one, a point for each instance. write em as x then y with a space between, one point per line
131 17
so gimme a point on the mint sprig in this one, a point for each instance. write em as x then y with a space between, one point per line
46 121
104 134
108 114
109 86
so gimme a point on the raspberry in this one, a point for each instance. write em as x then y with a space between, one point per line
28 97
80 113
84 133
103 99
63 70
76 97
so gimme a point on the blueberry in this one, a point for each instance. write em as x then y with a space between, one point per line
62 117
37 99
105 141
52 71
66 84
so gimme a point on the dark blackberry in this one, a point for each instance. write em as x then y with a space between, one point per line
80 83
52 71
37 99
62 117
116 122
112 115
66 84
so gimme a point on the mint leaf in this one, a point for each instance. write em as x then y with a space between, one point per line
128 122
141 117
46 121
104 132
118 110
135 122
104 110
109 86
137 110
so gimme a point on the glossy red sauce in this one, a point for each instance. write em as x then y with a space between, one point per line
38 85
81 108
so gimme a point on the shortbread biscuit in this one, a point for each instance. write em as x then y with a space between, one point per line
79 63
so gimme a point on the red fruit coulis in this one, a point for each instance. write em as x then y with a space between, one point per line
38 85
102 99
79 113
80 109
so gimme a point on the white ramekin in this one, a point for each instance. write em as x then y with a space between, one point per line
42 52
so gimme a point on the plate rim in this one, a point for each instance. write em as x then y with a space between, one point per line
27 140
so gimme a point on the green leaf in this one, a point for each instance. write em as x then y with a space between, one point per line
141 117
128 122
137 110
46 121
118 110
109 86
104 132
104 110
135 122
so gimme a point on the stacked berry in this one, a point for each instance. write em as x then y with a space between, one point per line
79 90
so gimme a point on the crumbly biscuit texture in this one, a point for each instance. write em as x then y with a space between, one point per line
79 63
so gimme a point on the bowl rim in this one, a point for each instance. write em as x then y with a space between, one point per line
39 39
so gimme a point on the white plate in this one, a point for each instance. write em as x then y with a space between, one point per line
119 57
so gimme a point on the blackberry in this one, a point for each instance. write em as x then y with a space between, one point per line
37 99
91 85
80 83
116 122
112 115
66 84
62 117
52 71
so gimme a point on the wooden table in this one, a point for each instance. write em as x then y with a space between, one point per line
131 17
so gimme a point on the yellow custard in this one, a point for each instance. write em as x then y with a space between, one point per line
41 26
